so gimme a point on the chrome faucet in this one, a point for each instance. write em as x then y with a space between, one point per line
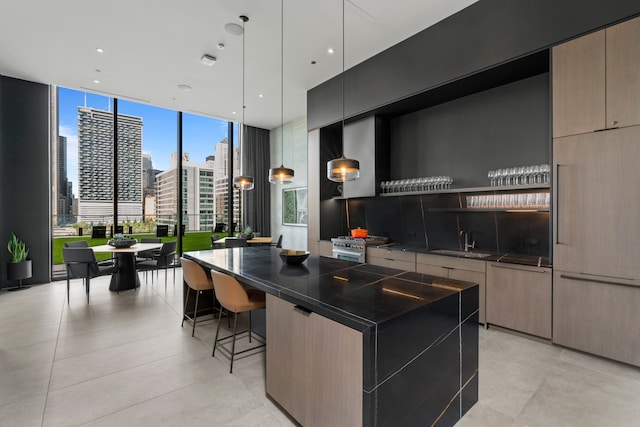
467 245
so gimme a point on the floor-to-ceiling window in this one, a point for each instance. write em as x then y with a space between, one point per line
144 179
205 174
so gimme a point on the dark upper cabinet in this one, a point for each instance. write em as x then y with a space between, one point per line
486 34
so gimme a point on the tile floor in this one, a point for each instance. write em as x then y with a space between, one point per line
124 360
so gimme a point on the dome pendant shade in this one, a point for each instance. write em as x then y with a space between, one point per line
243 182
343 169
281 175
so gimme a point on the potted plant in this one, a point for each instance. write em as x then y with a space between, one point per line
18 267
246 234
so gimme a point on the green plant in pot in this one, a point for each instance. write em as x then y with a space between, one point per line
246 234
19 266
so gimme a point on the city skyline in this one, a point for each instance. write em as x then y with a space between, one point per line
159 134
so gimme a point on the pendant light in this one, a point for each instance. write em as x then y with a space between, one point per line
281 175
242 182
343 169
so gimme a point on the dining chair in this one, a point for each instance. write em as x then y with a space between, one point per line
85 244
234 242
162 259
213 238
278 244
197 280
145 255
235 299
81 263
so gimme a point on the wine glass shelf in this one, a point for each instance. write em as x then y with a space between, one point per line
470 190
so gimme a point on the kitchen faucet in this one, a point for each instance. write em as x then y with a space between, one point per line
467 245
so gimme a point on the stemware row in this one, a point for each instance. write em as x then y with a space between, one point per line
430 183
520 175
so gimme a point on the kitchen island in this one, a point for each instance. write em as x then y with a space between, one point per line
356 344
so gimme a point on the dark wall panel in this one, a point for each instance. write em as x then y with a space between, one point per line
501 127
24 173
487 33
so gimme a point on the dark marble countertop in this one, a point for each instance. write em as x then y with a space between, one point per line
357 295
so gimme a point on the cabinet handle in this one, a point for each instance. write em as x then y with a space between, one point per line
605 282
302 310
558 242
533 270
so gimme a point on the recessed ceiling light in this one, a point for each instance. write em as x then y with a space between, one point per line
208 60
220 46
99 50
234 113
261 96
313 62
185 88
330 51
96 81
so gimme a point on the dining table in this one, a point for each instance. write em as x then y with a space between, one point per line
254 241
126 276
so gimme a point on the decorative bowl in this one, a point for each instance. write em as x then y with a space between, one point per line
292 257
122 243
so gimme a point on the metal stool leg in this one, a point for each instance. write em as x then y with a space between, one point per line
215 340
233 345
195 314
186 301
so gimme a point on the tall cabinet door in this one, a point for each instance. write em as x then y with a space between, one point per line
623 74
579 93
596 204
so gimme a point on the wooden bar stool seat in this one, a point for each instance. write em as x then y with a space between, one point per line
196 278
235 299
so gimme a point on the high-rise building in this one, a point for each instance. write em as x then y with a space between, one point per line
221 181
95 166
61 181
204 190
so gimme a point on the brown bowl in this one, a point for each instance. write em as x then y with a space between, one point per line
292 257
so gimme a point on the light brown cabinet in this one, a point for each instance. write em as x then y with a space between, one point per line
393 259
469 270
596 203
314 366
596 315
596 81
519 298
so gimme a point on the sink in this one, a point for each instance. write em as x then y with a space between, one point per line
460 253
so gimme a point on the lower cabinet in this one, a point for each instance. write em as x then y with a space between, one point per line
314 366
519 298
392 259
469 270
597 315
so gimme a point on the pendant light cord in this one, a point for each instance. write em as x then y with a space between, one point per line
342 80
282 83
241 130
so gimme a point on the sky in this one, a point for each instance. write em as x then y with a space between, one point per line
159 129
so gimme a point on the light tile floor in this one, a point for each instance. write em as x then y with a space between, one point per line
124 360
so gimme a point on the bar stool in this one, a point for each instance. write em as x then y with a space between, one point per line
236 299
196 278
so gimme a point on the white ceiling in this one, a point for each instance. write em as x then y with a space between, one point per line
152 46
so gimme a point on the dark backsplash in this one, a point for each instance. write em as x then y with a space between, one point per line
431 222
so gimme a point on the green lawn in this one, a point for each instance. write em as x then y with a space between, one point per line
190 242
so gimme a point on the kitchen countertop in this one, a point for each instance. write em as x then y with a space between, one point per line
354 294
508 258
